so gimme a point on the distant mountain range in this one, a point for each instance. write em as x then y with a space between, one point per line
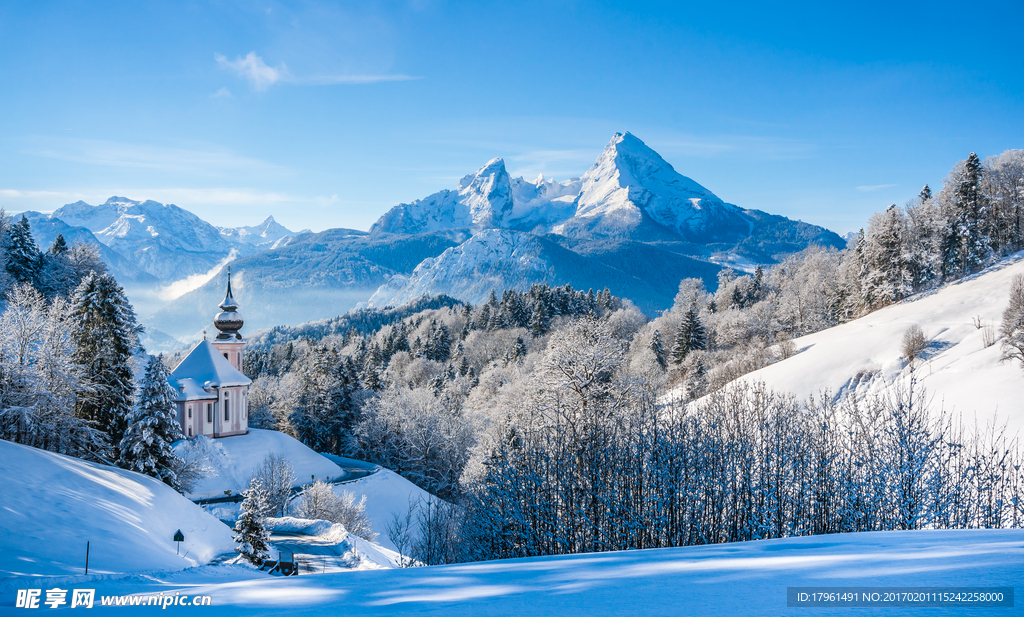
630 223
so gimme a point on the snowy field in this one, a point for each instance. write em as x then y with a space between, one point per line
387 494
51 505
233 460
958 370
728 579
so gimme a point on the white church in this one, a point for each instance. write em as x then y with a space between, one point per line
211 390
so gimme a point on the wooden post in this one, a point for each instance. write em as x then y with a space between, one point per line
86 556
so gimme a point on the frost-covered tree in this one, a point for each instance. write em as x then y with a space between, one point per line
276 477
23 257
320 501
106 335
690 336
251 528
658 349
966 245
152 428
887 275
1012 327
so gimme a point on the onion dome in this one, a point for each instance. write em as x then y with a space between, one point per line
228 321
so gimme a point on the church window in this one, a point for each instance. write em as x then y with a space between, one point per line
209 412
189 412
226 417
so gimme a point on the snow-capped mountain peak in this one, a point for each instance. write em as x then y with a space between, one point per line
631 184
482 200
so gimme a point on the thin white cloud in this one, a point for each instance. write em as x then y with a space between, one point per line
222 93
134 156
337 80
868 188
261 75
254 69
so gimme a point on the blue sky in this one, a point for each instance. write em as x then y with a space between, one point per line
325 114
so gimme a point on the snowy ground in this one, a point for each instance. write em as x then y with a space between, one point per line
233 460
322 546
387 494
729 579
959 372
51 505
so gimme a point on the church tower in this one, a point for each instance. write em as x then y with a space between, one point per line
229 342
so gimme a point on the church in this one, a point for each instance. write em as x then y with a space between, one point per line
211 390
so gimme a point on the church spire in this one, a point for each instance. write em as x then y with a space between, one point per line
228 321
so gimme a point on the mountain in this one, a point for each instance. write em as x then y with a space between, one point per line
168 242
631 191
45 229
486 199
501 259
631 223
313 276
267 234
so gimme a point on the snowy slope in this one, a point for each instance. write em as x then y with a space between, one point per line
957 370
387 494
267 234
53 504
233 460
748 579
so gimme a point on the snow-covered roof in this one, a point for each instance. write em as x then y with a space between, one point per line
205 364
188 389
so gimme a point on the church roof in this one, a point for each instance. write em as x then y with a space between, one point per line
205 364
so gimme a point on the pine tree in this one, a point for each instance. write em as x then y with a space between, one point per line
152 428
516 353
967 245
59 246
539 320
925 194
106 335
23 257
691 336
251 528
658 349
697 379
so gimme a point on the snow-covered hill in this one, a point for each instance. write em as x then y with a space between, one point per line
233 459
53 504
267 235
960 369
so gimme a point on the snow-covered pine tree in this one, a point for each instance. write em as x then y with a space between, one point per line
658 349
23 257
1012 327
887 276
251 528
966 245
539 320
690 336
152 428
926 193
106 335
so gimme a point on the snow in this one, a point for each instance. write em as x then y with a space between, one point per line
387 495
326 533
957 370
630 180
747 578
53 504
472 269
233 460
482 200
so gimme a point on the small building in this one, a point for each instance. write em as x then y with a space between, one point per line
212 392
